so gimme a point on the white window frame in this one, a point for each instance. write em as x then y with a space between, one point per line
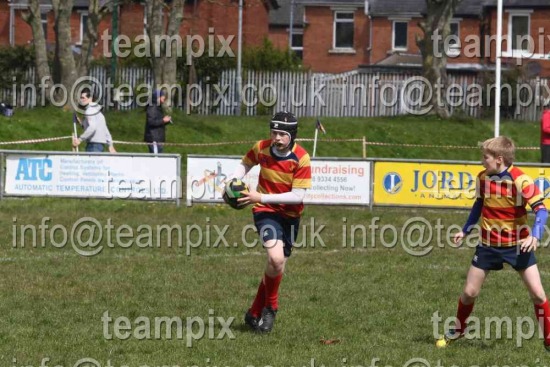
454 51
394 21
145 20
335 21
297 31
82 15
44 22
512 14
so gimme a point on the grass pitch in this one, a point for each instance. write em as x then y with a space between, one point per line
352 295
344 300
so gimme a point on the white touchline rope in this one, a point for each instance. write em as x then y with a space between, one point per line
373 143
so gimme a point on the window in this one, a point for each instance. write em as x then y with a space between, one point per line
145 20
343 30
83 25
518 31
44 21
297 42
399 35
454 39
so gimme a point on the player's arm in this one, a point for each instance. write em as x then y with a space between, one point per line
531 242
532 196
541 216
249 160
296 196
241 171
473 218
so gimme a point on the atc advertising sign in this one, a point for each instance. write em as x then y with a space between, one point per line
93 175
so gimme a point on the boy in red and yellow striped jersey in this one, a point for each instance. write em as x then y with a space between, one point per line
503 192
285 174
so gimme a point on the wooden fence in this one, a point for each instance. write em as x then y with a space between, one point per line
353 93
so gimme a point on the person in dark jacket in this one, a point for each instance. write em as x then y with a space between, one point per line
155 124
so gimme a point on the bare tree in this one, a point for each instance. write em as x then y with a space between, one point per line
164 41
33 18
71 65
436 28
96 12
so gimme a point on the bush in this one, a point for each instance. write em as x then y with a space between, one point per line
269 58
15 62
511 79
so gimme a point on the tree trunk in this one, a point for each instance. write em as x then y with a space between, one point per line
154 31
62 10
164 60
170 63
95 14
67 67
436 29
33 18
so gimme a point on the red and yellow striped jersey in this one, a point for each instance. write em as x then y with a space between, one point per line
505 197
279 175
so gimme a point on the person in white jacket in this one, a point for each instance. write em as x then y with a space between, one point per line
96 133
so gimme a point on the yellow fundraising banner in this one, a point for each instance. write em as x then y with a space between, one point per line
437 184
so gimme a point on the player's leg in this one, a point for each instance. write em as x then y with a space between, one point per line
278 245
276 259
273 276
266 300
274 270
531 278
474 281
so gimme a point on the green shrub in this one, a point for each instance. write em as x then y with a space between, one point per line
14 62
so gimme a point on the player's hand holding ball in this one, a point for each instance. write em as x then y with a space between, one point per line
234 190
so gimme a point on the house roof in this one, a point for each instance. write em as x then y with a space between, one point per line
281 16
403 7
355 3
518 3
408 7
407 62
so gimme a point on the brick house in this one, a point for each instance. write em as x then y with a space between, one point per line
280 28
201 17
331 35
527 19
336 35
341 35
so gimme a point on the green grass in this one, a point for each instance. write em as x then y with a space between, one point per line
192 129
377 301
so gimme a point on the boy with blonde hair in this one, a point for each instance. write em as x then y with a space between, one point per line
503 192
